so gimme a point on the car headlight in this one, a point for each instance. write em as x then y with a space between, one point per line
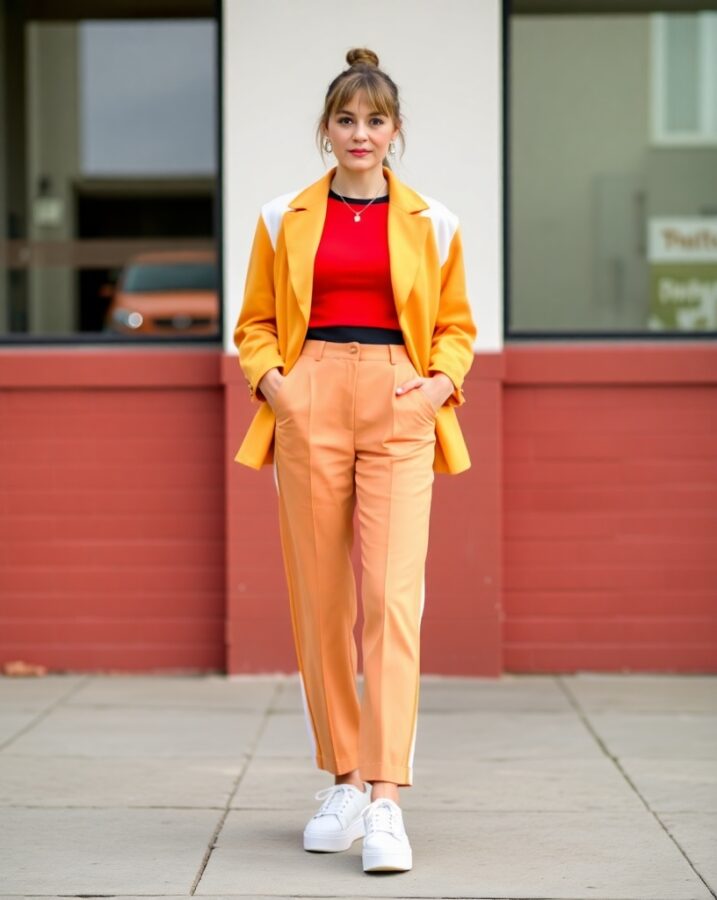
128 318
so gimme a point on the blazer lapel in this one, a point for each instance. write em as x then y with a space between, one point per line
407 235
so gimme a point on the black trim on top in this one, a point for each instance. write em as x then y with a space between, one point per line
335 196
365 334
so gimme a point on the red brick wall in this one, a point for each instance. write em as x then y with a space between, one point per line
610 508
112 509
583 537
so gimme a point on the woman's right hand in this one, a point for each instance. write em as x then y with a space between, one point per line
269 384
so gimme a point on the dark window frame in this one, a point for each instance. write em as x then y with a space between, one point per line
120 9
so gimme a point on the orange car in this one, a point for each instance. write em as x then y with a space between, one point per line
166 293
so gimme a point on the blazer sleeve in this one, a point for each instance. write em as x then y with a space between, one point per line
255 334
455 331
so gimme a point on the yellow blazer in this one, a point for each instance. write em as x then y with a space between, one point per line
428 279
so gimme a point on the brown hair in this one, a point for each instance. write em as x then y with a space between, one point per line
363 74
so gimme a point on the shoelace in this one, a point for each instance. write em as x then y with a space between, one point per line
381 816
337 797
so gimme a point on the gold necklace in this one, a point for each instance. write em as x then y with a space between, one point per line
357 215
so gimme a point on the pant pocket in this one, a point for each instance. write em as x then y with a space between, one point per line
286 384
423 398
426 400
294 394
416 403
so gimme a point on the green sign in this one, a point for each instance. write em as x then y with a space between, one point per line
683 274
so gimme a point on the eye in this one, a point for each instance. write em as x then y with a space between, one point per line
376 120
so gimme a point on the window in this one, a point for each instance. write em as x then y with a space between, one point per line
612 170
684 79
108 175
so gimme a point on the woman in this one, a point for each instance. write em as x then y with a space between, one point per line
355 336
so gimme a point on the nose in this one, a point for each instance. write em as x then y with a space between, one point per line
360 131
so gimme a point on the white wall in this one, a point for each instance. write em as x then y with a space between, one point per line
279 58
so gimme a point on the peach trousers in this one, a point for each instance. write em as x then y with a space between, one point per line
344 437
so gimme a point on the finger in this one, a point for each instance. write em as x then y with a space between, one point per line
408 385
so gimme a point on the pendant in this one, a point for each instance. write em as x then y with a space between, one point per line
357 218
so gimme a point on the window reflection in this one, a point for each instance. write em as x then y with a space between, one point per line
109 162
166 294
613 172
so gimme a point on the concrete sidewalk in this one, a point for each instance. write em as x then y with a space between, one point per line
587 786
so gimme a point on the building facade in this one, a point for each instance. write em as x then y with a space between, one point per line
577 144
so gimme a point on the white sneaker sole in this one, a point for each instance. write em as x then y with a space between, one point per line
341 840
383 861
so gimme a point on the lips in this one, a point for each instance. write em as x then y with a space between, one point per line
359 152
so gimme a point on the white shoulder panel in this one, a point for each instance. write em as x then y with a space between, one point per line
445 224
443 220
272 212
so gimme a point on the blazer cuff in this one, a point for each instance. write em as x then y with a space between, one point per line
457 398
252 379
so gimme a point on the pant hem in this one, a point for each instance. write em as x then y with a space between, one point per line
400 775
337 767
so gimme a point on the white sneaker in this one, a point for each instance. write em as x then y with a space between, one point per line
338 822
385 845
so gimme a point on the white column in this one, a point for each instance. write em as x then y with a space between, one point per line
279 57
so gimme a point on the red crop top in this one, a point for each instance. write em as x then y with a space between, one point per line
352 274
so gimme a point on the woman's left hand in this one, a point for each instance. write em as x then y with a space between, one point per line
439 388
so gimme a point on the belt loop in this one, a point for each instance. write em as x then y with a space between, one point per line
394 353
319 349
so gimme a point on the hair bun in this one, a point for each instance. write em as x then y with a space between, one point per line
361 55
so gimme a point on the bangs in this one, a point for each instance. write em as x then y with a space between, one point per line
378 94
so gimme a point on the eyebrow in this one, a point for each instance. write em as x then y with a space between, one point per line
375 112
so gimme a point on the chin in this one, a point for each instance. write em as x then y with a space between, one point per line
362 160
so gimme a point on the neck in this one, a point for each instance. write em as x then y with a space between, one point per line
361 185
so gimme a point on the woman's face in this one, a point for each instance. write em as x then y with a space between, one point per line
358 127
